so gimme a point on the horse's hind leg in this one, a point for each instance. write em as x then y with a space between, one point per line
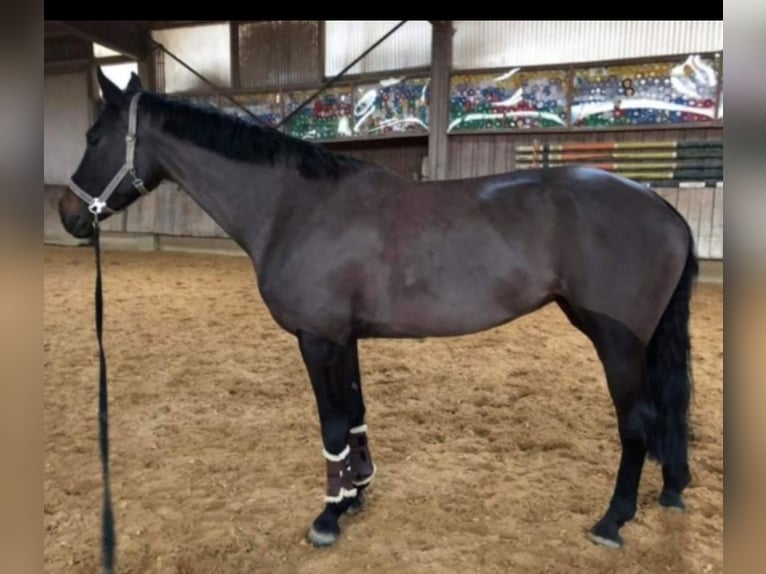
362 467
327 365
623 357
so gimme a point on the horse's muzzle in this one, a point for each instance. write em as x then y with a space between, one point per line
79 226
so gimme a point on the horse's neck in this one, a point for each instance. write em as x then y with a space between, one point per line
241 197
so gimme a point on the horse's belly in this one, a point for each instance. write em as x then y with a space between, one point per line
454 308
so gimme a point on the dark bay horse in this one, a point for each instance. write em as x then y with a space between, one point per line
345 250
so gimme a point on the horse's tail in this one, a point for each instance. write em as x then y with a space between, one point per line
669 370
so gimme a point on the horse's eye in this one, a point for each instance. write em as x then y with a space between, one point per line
92 139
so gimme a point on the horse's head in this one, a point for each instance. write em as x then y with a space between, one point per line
106 156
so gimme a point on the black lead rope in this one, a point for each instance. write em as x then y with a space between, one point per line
107 516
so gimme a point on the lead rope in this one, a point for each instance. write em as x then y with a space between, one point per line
107 515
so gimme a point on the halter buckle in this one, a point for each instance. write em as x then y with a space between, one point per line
138 183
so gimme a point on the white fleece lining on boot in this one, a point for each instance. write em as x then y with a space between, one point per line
337 457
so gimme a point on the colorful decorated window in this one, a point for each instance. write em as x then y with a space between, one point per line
391 106
639 94
516 99
672 92
328 116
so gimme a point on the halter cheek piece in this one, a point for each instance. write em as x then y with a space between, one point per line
97 205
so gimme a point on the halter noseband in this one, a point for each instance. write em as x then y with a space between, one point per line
97 205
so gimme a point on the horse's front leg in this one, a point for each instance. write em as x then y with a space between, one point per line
327 365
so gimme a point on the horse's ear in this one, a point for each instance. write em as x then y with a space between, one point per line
134 85
112 94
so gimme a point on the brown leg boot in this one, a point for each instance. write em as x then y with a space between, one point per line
340 476
362 467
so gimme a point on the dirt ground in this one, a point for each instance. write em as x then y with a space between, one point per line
495 452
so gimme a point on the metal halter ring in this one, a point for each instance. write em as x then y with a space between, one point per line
96 206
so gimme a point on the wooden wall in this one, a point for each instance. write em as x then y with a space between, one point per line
403 156
703 210
485 154
66 117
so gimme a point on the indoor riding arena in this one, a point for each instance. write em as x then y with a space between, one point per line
496 449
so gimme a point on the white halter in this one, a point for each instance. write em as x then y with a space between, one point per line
97 205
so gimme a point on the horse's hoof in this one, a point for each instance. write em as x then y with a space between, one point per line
321 539
603 535
601 541
671 501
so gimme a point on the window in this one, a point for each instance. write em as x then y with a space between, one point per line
345 40
205 48
100 51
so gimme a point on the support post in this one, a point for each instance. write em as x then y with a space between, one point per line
441 62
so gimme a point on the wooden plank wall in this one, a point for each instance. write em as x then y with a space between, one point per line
703 210
403 156
175 213
485 154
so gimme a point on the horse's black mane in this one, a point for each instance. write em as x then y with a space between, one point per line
246 140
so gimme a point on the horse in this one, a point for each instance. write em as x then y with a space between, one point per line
345 250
